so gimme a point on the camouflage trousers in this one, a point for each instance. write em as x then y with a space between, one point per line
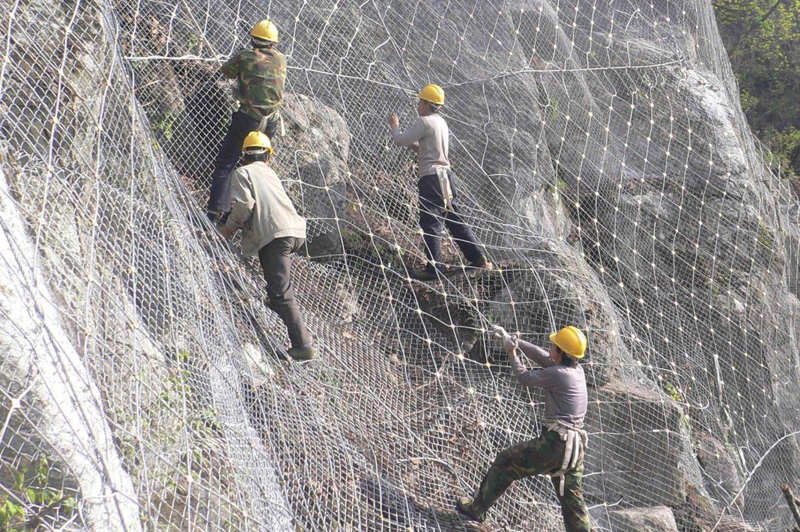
544 454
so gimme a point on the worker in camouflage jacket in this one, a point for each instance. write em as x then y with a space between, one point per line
558 451
261 74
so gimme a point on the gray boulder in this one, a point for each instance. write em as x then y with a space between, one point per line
638 450
722 468
313 156
655 519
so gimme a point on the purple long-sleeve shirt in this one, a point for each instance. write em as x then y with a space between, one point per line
565 396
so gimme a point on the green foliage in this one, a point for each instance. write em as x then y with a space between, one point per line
30 499
166 124
353 238
786 145
672 391
762 38
554 108
193 44
764 238
12 515
558 187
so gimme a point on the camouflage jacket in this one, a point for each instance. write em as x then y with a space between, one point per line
261 76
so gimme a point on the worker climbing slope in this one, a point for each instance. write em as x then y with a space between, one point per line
437 187
272 228
261 75
559 449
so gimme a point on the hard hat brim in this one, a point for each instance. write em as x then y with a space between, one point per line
259 38
427 100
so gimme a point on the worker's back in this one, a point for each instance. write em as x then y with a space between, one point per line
434 145
566 397
261 74
260 204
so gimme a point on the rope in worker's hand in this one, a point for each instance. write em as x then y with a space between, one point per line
509 341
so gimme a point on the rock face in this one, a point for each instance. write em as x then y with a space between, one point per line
58 434
655 519
315 152
721 468
640 445
604 164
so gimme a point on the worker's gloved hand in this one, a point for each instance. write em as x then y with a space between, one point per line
509 341
499 332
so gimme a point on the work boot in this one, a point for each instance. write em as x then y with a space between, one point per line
303 353
217 218
481 263
464 507
429 272
214 217
422 274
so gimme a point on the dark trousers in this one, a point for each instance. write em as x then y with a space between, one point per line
229 152
276 262
536 457
431 216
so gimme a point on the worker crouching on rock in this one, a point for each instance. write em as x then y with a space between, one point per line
558 451
437 191
261 75
272 228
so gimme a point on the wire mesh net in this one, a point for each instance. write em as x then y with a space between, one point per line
603 161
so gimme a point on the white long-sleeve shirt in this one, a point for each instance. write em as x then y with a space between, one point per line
565 396
431 135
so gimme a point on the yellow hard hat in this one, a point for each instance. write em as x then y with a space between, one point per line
432 93
265 30
256 141
571 340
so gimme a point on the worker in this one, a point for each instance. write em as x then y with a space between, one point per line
558 451
437 187
272 228
261 74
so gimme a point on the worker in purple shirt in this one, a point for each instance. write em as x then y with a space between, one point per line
558 451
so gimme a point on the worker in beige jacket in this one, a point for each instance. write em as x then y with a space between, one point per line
272 228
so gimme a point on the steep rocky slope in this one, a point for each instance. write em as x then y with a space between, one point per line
604 163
